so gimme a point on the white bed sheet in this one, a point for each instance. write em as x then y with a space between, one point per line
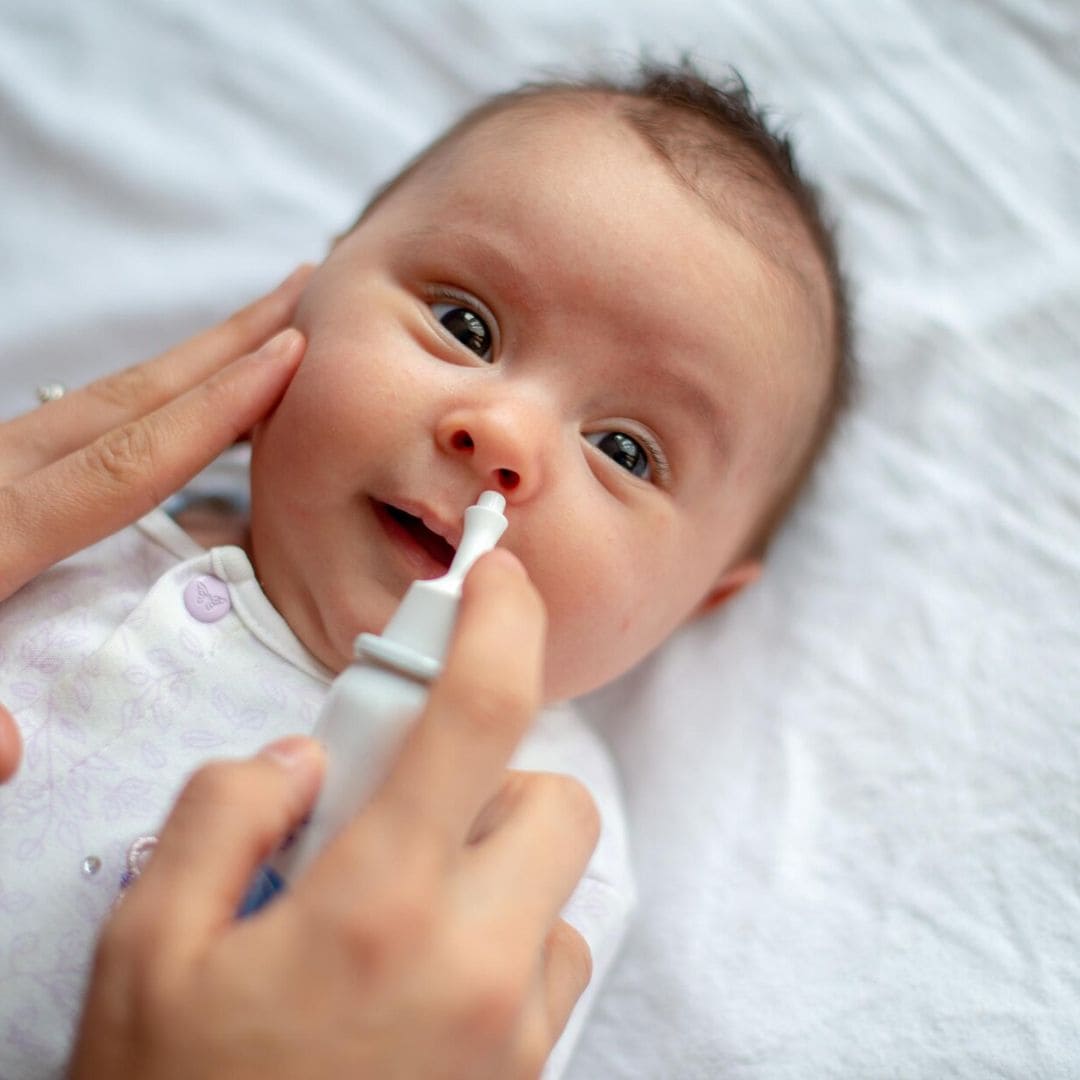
853 794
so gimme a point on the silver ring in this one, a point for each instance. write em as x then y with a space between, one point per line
50 391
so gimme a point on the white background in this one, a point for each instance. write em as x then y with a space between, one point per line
854 793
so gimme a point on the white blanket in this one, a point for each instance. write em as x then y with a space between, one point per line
853 793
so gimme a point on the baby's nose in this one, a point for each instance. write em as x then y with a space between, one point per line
505 478
503 446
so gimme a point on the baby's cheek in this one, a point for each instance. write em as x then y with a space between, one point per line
594 635
590 580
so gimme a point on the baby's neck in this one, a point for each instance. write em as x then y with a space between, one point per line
214 522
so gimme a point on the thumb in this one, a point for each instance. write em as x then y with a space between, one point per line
229 818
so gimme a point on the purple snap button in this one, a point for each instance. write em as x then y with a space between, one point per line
207 598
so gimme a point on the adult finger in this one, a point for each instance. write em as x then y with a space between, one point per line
562 976
125 473
566 969
10 745
539 834
480 707
80 416
229 818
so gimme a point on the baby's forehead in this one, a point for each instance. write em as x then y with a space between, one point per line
589 180
720 168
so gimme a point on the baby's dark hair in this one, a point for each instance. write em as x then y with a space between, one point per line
704 131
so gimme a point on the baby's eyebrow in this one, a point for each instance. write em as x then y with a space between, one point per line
690 395
496 264
683 388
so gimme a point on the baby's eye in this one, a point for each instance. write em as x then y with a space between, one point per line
623 450
468 327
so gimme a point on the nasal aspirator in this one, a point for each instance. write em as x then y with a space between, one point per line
375 700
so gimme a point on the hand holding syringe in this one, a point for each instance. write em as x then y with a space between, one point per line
373 702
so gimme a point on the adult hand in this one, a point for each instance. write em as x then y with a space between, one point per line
77 469
424 941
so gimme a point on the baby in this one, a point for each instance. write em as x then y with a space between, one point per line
617 305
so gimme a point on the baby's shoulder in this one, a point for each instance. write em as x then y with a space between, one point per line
76 601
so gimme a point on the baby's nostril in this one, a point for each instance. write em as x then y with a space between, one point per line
461 440
508 479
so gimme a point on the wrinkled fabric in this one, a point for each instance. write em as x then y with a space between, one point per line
852 793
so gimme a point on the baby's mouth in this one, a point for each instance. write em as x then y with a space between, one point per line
438 548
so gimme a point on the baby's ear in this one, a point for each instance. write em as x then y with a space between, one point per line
731 582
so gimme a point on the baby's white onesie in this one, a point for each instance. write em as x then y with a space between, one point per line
126 667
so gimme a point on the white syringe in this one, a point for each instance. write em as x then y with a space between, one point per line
375 700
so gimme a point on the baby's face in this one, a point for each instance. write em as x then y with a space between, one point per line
545 312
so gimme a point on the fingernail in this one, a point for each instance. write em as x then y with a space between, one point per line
294 752
302 270
280 345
